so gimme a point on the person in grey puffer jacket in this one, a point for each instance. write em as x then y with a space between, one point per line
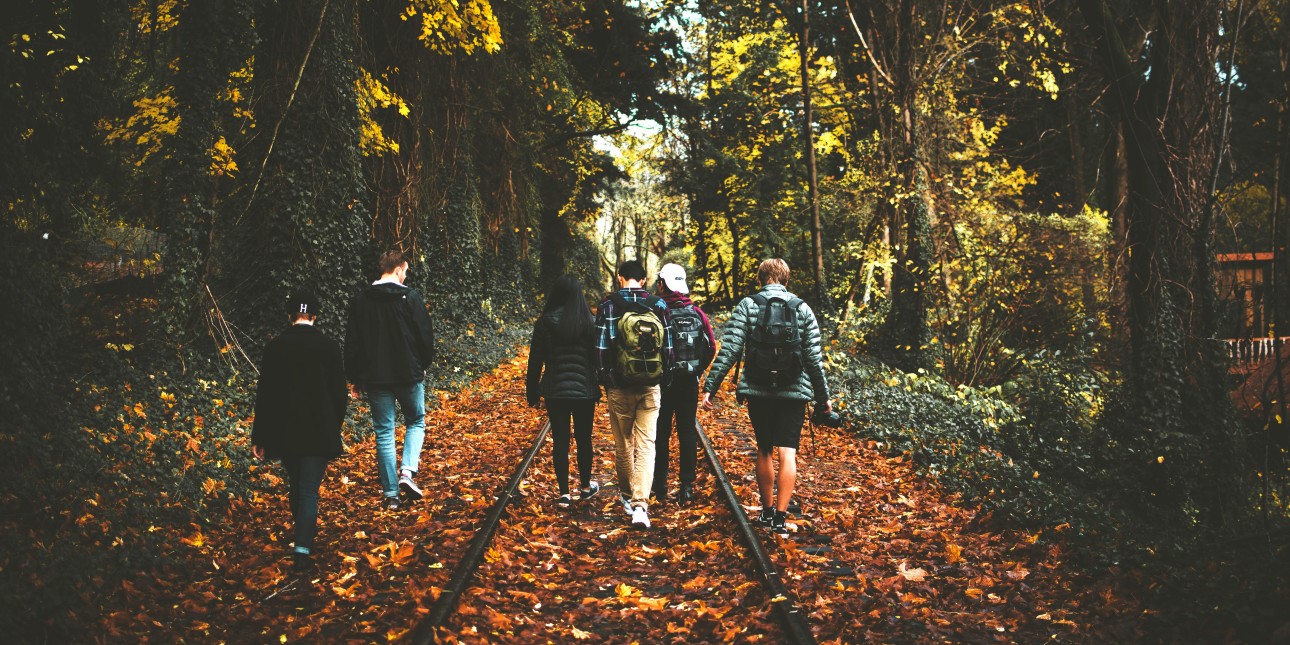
777 414
563 343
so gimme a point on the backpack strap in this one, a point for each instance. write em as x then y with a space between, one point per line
620 303
763 303
623 305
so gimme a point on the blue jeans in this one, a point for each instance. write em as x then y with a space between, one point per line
305 475
412 401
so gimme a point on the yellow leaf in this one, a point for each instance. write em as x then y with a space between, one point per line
954 553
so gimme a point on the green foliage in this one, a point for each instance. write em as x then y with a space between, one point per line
1023 285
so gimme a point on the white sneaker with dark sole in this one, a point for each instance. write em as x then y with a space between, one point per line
410 488
640 518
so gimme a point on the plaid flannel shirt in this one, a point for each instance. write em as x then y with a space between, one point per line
607 326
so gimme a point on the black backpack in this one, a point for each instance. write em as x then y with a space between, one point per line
773 352
689 340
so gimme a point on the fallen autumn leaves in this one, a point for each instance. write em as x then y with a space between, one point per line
877 553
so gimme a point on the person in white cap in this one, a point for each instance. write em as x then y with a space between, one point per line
693 347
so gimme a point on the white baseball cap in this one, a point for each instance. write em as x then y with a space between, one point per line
673 275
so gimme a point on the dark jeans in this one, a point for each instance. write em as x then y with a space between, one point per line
680 399
560 411
305 475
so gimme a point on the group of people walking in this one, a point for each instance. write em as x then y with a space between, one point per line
647 351
301 396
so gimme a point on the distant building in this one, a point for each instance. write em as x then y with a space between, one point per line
1241 286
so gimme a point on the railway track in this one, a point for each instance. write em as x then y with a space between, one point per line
792 620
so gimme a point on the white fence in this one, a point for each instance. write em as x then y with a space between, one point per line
1249 352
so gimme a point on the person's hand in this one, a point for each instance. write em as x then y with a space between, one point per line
258 451
707 402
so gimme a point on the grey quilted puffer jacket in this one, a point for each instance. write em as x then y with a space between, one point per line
812 385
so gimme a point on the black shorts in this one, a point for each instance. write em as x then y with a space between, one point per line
776 422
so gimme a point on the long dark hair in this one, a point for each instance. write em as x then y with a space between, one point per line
566 298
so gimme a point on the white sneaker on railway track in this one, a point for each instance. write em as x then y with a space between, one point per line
640 518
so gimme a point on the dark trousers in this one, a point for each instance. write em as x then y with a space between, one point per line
305 475
560 411
680 400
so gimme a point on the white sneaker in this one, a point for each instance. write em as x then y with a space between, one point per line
640 518
410 487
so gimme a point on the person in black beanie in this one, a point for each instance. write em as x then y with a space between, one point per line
300 404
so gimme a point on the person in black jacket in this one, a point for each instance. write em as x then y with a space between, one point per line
564 344
388 345
300 403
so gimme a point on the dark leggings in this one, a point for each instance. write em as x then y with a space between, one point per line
680 399
559 411
305 475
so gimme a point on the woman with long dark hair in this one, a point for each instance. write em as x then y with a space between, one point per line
562 370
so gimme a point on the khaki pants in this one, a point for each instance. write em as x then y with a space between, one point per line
633 418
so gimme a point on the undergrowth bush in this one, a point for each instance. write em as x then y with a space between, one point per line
1029 450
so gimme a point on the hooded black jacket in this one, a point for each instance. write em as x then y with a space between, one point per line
389 339
300 399
570 365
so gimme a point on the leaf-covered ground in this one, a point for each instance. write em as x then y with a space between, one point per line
877 552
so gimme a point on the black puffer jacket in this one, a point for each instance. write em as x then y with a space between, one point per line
570 366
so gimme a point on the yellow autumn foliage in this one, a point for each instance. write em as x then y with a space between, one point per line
456 26
373 94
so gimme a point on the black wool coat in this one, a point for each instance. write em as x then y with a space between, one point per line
301 398
560 367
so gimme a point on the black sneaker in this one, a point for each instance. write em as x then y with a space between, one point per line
302 564
777 525
564 501
685 495
767 514
590 491
390 503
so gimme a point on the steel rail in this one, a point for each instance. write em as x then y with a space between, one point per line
795 625
424 632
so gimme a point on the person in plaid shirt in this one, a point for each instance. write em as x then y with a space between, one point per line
633 409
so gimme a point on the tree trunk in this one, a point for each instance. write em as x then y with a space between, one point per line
822 300
1177 403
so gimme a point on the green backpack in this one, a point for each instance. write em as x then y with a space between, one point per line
638 352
